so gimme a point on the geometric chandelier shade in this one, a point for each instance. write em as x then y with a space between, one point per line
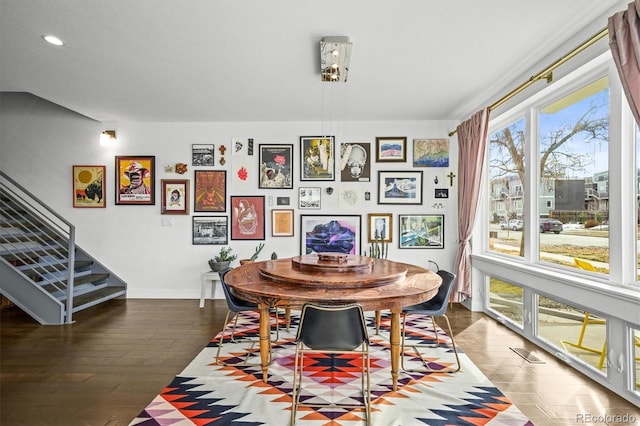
335 54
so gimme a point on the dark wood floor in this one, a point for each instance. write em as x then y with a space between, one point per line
108 365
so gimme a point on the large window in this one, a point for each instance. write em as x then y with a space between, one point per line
573 190
548 200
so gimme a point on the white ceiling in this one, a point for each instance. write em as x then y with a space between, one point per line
244 60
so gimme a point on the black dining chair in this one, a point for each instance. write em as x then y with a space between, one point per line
236 305
331 330
435 307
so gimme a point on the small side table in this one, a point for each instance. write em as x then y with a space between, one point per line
207 278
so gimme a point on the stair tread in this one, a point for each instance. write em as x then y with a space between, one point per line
85 279
101 293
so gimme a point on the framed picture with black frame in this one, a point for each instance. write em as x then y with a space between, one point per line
210 230
421 231
202 155
330 233
210 191
399 187
276 167
135 180
317 155
247 217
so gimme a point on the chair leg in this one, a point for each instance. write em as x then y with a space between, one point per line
366 384
295 392
435 345
579 345
220 343
298 374
233 340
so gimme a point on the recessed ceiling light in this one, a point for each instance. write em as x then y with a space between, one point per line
53 40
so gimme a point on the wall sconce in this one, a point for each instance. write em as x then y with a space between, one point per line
335 55
108 138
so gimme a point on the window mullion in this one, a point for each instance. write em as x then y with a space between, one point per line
622 182
532 177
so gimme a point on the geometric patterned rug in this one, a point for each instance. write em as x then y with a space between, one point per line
205 393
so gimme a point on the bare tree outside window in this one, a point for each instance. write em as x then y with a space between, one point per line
573 164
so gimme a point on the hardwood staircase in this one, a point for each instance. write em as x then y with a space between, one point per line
41 269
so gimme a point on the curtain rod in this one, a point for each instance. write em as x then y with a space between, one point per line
547 73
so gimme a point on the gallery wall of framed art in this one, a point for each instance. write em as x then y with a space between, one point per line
215 173
326 169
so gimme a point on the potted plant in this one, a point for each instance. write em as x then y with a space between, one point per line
254 256
222 260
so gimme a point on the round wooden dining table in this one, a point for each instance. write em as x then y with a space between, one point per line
333 279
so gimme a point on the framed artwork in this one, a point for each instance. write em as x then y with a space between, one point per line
282 222
330 233
247 217
202 155
210 191
380 227
391 149
282 201
175 196
210 230
88 186
355 165
431 153
442 193
424 231
309 198
276 167
317 158
135 180
396 187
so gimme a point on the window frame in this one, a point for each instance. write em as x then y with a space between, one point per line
616 295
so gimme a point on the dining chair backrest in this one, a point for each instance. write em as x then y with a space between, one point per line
439 302
332 328
234 303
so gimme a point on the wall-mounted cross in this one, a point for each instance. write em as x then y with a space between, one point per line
451 176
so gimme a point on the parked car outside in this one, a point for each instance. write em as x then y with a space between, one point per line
550 225
513 224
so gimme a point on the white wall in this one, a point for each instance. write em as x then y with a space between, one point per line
40 141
